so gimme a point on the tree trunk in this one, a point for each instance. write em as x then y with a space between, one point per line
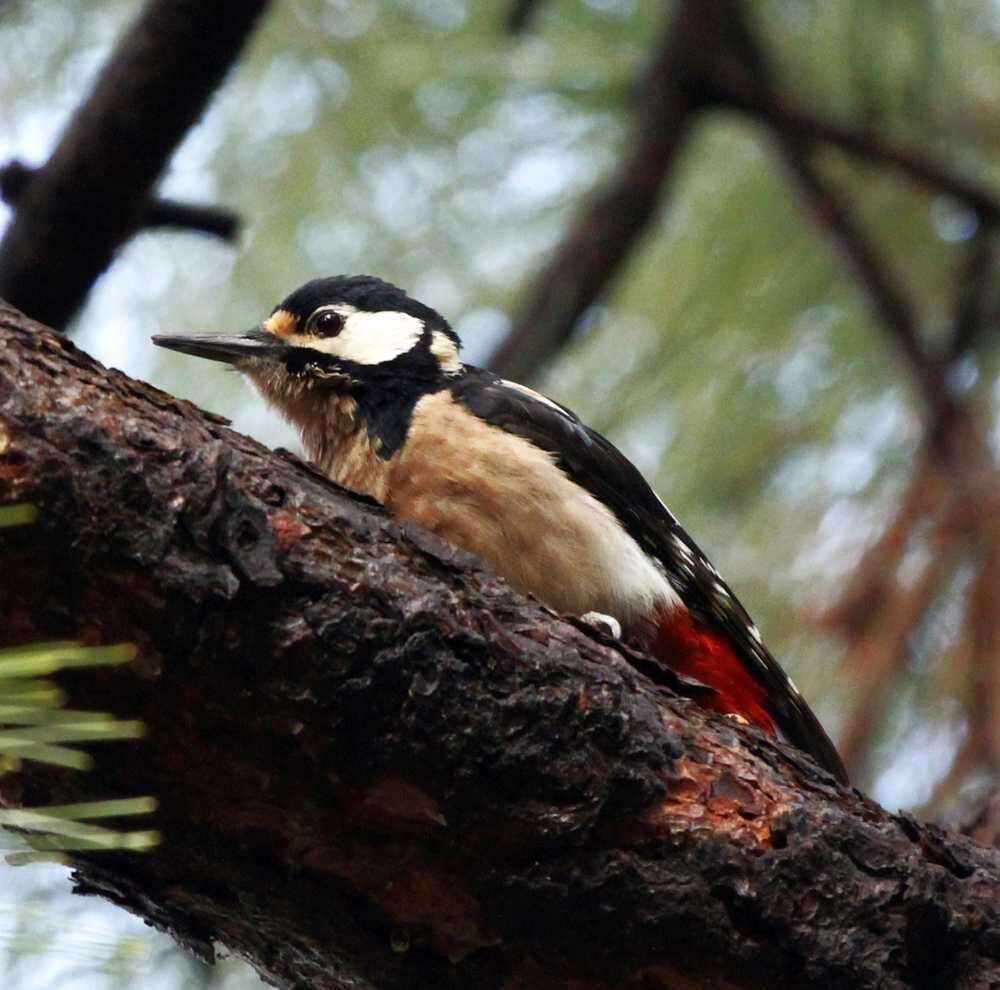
379 767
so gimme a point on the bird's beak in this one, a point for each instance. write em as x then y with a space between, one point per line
232 349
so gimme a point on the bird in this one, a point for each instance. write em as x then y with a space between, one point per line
374 382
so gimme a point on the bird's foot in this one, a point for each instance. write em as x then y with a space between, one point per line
606 624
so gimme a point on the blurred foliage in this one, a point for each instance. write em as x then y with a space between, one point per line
52 941
735 361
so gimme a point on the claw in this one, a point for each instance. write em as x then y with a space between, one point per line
606 624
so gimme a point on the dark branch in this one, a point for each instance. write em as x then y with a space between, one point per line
864 146
606 231
15 177
888 302
379 767
833 215
709 58
521 14
92 194
973 317
192 216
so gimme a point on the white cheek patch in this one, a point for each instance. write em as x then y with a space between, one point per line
370 338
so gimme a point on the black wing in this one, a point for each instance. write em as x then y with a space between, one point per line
600 468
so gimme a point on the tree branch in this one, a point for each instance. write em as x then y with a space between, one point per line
976 292
15 177
607 229
709 58
747 70
520 15
864 146
92 194
379 767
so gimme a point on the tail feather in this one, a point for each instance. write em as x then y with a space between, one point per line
695 650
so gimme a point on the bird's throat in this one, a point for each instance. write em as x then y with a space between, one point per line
334 434
344 449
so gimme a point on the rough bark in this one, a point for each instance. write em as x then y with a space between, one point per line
93 194
379 767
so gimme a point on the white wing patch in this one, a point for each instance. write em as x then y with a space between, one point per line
537 396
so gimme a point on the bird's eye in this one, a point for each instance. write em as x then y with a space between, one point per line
326 323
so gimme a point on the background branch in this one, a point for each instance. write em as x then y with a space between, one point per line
92 194
15 177
605 233
521 14
864 146
707 58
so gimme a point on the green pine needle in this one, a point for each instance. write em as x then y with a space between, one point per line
18 515
34 725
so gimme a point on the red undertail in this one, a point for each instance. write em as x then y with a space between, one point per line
687 646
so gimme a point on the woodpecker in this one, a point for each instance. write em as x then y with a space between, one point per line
373 381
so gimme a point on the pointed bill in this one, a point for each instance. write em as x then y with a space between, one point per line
220 347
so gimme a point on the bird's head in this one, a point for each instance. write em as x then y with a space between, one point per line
350 335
